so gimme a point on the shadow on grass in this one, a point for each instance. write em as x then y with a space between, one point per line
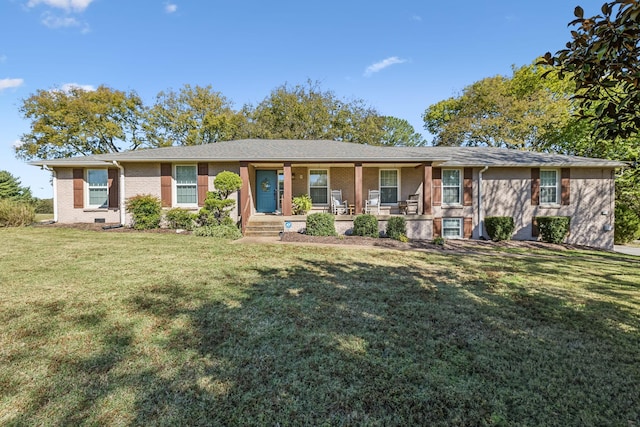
361 343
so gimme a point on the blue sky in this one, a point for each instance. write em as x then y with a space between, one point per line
399 56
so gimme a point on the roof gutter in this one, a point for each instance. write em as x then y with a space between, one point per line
480 213
55 190
121 196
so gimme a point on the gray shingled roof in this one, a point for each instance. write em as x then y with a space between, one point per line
324 151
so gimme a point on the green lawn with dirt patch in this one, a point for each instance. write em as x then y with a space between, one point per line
106 328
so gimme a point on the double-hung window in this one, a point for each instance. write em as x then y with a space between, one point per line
452 228
186 185
451 187
548 187
389 186
97 188
319 186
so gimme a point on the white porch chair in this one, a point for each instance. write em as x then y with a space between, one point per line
372 204
338 206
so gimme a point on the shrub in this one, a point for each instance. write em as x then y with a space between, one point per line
43 206
16 214
301 204
366 225
219 231
396 227
627 225
145 210
321 224
439 241
553 229
499 227
180 218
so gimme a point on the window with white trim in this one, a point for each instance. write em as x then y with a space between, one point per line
548 187
319 186
452 228
451 187
186 181
389 186
97 188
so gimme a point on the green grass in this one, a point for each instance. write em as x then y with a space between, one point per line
106 328
43 217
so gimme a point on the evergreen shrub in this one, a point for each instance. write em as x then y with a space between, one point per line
180 218
321 224
366 225
553 229
397 227
499 227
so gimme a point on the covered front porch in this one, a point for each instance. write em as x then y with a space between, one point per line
268 190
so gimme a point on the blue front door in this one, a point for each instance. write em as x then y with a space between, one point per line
267 190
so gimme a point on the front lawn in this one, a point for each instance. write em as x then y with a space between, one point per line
107 328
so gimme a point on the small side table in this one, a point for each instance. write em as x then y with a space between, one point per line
402 207
352 208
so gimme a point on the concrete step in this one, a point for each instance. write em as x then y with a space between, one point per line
262 233
265 224
262 228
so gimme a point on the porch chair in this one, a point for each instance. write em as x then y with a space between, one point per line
412 204
372 204
338 206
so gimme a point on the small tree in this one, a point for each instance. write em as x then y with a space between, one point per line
217 206
11 189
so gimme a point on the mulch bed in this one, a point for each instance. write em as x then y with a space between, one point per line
450 245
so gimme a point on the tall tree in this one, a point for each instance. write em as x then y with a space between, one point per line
603 61
521 111
80 122
307 112
192 116
399 132
10 188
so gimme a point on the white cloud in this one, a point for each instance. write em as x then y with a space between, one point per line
67 5
10 83
416 18
170 7
52 21
68 86
378 66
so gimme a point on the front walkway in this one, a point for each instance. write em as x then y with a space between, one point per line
627 250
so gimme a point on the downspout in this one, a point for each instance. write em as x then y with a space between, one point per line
55 191
480 215
121 189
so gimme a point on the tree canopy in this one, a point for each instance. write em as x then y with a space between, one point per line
603 62
192 116
80 122
521 111
399 132
308 112
83 122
